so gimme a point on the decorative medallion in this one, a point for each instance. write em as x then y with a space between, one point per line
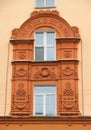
67 54
22 55
45 72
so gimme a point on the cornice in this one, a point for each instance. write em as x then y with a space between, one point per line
43 62
68 39
46 12
45 120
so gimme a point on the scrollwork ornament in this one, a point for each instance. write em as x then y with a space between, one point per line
68 71
21 72
22 56
21 91
68 90
68 104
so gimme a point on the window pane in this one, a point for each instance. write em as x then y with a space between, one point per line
51 53
38 105
50 105
39 38
44 89
49 3
50 38
39 3
39 53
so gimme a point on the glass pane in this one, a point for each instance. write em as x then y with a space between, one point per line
39 38
51 53
38 105
39 3
45 89
50 38
50 105
49 3
39 53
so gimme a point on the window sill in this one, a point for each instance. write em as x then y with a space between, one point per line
45 7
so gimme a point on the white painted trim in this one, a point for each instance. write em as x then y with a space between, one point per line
44 4
44 100
45 43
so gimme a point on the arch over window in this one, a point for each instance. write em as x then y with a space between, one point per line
51 19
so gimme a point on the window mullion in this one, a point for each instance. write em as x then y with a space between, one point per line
44 3
45 58
44 106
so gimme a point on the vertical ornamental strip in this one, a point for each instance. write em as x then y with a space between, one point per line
21 92
68 90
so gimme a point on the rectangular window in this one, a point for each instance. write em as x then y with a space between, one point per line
45 100
44 3
45 48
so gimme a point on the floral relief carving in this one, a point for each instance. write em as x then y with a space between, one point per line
59 102
21 73
21 91
68 96
22 55
21 101
20 97
68 90
20 105
14 33
29 103
44 73
46 18
76 106
34 13
76 71
68 71
68 104
75 31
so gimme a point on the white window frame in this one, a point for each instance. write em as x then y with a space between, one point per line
45 45
44 100
45 6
